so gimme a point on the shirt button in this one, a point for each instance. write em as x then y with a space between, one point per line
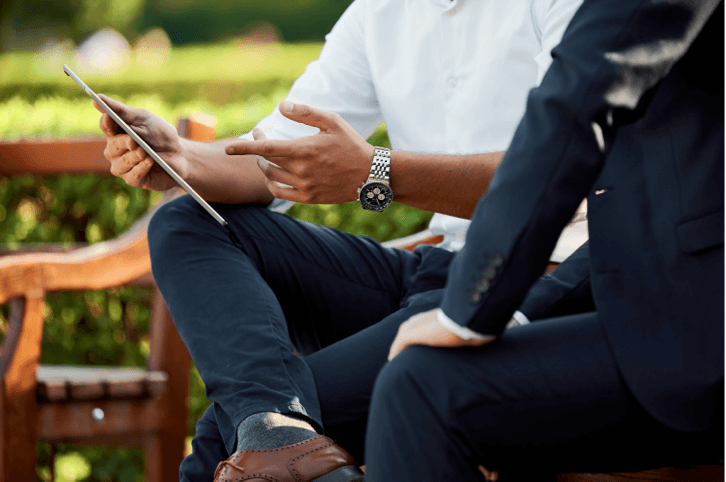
453 82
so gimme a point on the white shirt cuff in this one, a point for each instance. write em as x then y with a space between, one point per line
458 330
521 318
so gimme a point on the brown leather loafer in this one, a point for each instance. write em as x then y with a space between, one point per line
318 459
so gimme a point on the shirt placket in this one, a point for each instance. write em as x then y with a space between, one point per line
452 38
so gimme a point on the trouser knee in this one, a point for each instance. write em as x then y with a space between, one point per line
183 222
403 383
171 221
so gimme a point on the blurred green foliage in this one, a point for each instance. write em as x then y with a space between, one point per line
238 85
112 326
29 23
234 68
295 20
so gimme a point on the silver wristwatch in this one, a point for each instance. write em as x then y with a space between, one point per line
376 193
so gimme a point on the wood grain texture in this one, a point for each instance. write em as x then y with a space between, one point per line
53 156
141 407
19 427
701 473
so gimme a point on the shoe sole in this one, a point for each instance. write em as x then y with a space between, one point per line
349 473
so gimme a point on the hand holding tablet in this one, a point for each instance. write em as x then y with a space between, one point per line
145 146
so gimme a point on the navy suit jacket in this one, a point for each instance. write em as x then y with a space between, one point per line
629 115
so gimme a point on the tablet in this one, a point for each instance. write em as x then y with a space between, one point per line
147 148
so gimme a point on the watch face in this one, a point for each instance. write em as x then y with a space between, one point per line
376 196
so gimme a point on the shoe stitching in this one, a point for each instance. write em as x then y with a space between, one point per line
292 462
254 475
258 475
280 449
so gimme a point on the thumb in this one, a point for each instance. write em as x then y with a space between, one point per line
126 113
258 134
307 115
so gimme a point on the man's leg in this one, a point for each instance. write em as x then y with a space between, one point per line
208 449
239 300
544 398
345 394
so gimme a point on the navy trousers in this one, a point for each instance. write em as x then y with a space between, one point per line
246 297
542 399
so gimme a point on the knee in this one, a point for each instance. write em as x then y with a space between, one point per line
403 382
402 404
171 219
181 230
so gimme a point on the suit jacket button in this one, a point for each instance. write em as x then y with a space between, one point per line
496 260
475 296
482 285
489 273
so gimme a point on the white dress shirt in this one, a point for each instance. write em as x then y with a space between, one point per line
446 76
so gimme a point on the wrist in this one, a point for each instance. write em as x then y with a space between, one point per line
375 193
184 160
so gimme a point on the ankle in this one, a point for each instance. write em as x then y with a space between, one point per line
270 430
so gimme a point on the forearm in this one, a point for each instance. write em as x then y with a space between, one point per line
219 177
447 184
329 167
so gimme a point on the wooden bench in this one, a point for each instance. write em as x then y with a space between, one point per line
84 404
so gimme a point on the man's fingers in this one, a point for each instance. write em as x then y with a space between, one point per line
128 162
401 342
108 126
275 173
118 145
127 113
264 148
311 116
425 329
282 191
137 175
489 475
398 345
258 134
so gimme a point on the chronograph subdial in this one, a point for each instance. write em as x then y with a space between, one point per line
376 196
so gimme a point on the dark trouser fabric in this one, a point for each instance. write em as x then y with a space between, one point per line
544 398
243 302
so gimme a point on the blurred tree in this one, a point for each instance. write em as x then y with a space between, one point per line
202 21
121 15
28 24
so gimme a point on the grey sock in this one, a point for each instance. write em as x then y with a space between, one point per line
270 430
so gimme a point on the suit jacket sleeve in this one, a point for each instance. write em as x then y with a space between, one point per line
564 291
611 56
